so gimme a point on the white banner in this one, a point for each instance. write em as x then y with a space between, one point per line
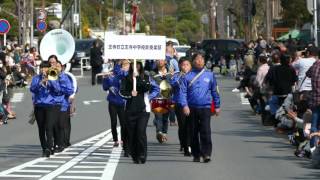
134 47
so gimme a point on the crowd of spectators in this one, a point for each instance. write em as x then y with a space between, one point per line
17 65
282 84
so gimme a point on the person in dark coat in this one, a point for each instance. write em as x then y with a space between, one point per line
96 61
135 111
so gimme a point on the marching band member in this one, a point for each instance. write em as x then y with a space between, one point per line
198 89
48 96
67 108
39 113
61 125
116 105
162 75
135 110
183 123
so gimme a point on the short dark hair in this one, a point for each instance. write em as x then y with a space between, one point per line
313 51
196 54
169 43
184 59
44 64
263 58
53 56
285 59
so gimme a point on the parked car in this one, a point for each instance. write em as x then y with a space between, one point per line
82 49
215 48
181 50
174 41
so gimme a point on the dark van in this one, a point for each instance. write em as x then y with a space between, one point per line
215 48
82 49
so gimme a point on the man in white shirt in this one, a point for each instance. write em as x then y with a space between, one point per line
302 65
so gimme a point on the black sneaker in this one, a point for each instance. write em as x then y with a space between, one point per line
46 153
136 161
187 153
116 144
126 154
206 159
196 159
143 159
58 150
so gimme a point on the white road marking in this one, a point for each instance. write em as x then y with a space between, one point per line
77 177
244 100
77 159
69 153
101 154
85 172
33 171
89 167
22 166
74 149
86 162
77 164
111 167
44 166
60 157
58 162
17 97
91 101
22 176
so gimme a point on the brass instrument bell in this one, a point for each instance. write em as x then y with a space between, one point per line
53 74
165 89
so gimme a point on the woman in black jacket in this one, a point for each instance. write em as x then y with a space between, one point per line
136 115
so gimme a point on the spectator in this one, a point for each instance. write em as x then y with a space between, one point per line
314 74
281 85
96 61
302 65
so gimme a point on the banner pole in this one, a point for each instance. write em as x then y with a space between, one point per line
134 75
4 39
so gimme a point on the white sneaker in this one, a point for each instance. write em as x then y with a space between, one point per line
235 90
267 108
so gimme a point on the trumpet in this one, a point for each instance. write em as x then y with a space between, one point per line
53 74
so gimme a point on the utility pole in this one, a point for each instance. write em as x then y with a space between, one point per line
31 22
124 17
80 24
212 19
153 19
315 16
269 19
21 14
228 26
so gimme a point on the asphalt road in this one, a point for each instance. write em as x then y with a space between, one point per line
243 148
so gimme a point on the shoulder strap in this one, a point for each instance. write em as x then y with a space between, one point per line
196 77
305 77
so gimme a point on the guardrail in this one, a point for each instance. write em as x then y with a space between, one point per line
84 64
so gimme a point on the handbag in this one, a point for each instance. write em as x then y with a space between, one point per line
296 94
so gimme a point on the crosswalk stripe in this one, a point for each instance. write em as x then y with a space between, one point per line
77 177
33 171
244 100
77 159
85 172
35 168
21 176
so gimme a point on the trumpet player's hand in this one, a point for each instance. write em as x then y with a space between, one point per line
134 93
44 81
